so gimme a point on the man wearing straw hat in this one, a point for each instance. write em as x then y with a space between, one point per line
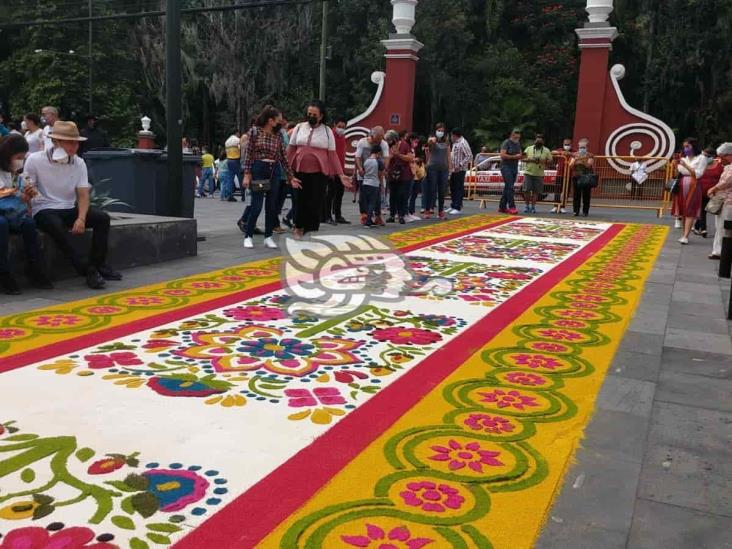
61 206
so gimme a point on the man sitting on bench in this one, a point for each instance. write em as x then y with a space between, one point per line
61 207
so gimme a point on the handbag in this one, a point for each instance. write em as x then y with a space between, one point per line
672 185
261 185
587 181
715 205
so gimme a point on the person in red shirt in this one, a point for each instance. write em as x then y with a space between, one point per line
707 181
334 199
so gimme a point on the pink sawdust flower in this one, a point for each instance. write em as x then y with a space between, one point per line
458 456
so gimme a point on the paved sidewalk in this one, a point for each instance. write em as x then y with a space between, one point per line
655 469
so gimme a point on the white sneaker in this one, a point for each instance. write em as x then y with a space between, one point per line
455 212
554 210
677 224
562 211
270 243
248 243
416 218
684 240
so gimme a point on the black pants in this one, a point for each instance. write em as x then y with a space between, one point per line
701 223
457 189
56 223
580 197
336 191
399 198
24 226
327 204
310 201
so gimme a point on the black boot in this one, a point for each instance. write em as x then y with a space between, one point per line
93 279
8 284
108 273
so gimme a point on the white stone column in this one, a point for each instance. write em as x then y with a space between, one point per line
599 10
403 16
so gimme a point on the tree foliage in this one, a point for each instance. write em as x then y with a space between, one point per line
487 65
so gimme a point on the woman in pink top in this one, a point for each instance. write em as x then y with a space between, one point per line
312 156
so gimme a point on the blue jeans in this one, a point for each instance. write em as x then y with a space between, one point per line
27 228
370 199
233 169
263 170
433 187
206 177
457 190
509 173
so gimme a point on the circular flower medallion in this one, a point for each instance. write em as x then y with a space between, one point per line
382 533
145 301
495 425
431 497
6 334
462 456
254 312
103 310
512 401
550 347
58 322
539 362
525 379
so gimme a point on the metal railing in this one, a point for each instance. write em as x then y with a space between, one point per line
617 188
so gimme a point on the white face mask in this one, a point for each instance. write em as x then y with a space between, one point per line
567 147
23 126
59 155
341 131
583 150
16 165
440 134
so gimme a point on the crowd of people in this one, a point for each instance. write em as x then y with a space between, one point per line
44 186
44 183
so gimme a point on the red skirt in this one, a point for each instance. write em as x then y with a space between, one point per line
688 200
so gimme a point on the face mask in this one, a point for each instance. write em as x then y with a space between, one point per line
43 120
59 155
583 150
23 126
688 151
277 128
440 134
341 131
313 120
539 144
567 147
16 165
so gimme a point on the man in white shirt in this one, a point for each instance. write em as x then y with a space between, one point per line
363 152
49 116
461 158
62 203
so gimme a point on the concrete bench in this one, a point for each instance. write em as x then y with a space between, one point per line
134 239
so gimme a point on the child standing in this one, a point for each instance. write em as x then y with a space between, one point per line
371 186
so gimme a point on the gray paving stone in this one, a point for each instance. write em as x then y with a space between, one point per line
648 322
696 309
599 492
619 435
688 462
697 363
696 287
698 341
698 323
686 274
579 536
621 394
637 342
697 297
639 366
694 390
660 526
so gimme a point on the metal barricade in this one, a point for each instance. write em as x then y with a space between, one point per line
617 188
487 185
622 185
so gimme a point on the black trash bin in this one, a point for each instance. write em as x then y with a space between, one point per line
139 178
